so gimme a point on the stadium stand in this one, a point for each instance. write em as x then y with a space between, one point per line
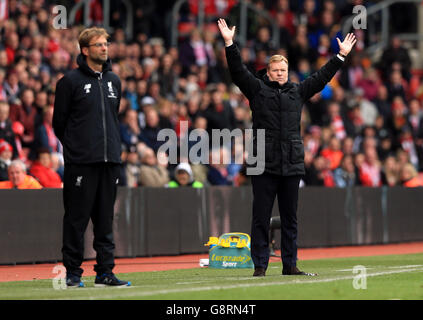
366 126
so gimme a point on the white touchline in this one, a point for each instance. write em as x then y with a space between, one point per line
409 266
379 267
124 293
351 270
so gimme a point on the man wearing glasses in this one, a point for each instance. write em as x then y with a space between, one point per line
85 120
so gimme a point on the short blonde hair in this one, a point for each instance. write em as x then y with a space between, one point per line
277 58
410 169
90 33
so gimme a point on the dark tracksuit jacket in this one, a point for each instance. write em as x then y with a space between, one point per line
277 109
85 121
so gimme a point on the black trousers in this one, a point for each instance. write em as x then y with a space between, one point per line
265 189
89 192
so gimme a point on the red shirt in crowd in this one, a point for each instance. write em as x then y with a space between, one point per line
47 177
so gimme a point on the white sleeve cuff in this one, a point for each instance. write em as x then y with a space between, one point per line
340 57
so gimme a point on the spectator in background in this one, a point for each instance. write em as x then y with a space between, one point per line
26 113
184 177
407 144
410 177
395 53
150 132
397 121
167 76
354 115
384 148
5 159
183 121
263 42
307 16
193 53
304 69
146 103
141 90
351 76
368 109
130 93
217 174
382 103
166 114
318 173
58 164
219 113
18 130
402 157
282 20
312 141
130 132
316 108
11 86
18 179
346 174
41 170
390 172
348 146
6 131
380 128
339 124
44 134
152 173
415 117
132 168
300 48
370 84
211 70
193 107
325 29
367 134
288 21
154 91
3 96
11 46
141 12
370 169
396 85
333 153
323 49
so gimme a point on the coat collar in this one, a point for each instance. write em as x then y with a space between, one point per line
262 75
81 60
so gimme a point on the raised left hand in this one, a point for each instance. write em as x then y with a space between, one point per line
346 45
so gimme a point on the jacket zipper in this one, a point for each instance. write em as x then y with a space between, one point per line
103 109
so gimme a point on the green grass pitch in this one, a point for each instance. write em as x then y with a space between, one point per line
385 277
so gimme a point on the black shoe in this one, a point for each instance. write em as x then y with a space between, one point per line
74 281
294 271
259 272
110 280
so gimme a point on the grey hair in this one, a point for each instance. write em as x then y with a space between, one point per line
18 163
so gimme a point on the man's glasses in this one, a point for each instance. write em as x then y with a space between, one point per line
99 45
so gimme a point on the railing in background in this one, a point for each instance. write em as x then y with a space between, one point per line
106 16
241 37
380 35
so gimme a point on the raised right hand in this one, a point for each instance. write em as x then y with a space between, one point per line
227 34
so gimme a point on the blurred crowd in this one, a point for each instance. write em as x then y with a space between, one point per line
364 128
